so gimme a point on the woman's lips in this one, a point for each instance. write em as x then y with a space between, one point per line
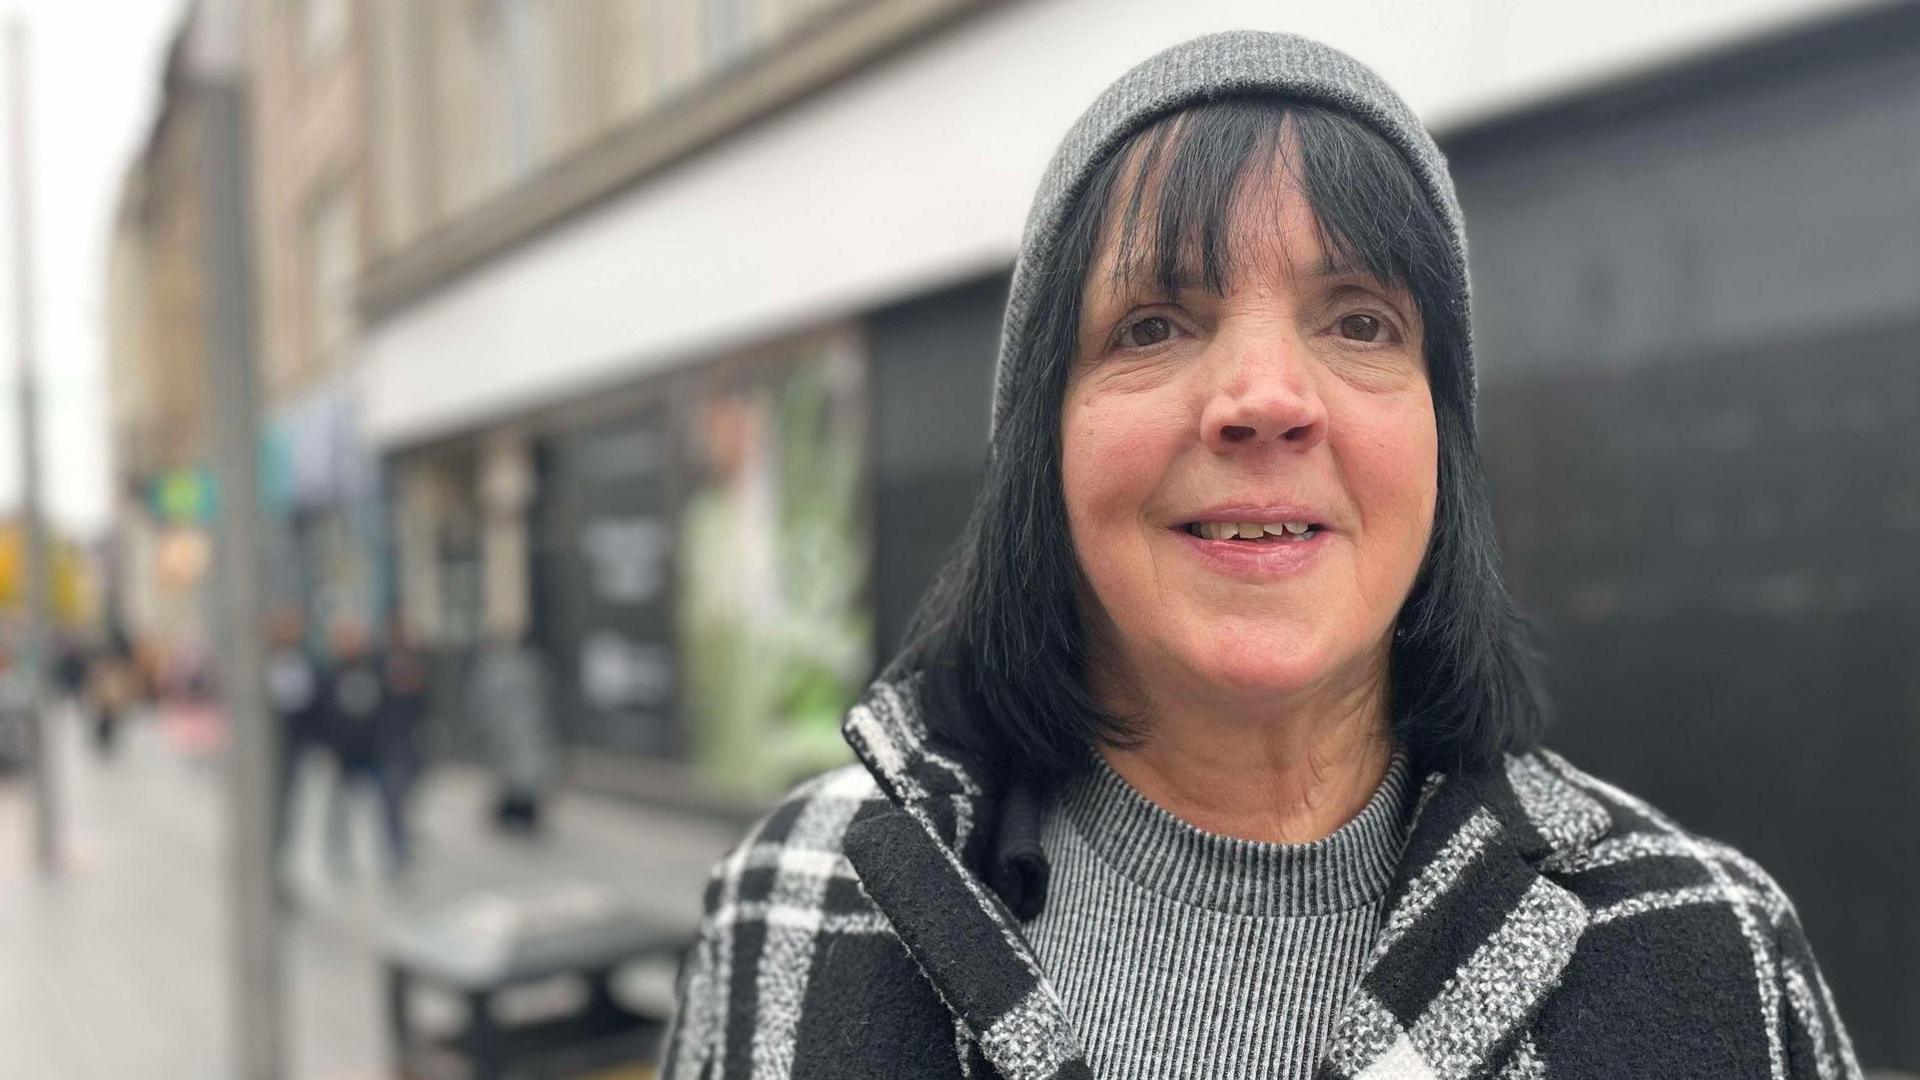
1254 558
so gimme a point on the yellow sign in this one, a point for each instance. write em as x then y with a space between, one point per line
72 591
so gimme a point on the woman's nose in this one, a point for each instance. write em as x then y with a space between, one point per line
1264 395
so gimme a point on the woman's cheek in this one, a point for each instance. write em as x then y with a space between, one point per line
1118 451
1407 470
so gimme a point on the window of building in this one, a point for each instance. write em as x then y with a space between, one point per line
323 29
333 254
729 32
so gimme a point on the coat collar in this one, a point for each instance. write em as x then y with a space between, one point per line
1476 933
1475 936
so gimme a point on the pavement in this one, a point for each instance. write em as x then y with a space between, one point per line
118 966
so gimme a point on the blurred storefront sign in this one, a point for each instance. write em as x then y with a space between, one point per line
73 589
605 541
322 481
184 496
325 461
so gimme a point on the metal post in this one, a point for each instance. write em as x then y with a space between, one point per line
35 569
217 69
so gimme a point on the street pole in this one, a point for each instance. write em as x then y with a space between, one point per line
217 67
34 569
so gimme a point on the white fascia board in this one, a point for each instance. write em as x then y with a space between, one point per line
918 172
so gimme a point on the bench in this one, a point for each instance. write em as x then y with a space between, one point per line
486 947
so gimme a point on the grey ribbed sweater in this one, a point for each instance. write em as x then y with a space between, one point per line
1183 953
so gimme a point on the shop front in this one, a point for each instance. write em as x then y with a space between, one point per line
694 563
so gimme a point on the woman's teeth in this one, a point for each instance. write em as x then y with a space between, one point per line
1279 531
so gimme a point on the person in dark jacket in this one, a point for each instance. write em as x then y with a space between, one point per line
293 699
354 698
1214 750
101 683
407 687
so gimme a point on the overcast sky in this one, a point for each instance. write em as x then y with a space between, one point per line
95 73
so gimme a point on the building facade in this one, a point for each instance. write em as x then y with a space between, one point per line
662 534
157 391
314 211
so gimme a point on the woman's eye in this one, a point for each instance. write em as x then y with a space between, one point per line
1142 333
1362 328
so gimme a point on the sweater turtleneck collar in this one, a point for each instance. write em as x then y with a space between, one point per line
1349 868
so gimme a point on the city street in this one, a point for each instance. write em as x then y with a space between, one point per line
118 967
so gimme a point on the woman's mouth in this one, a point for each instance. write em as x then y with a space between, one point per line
1273 532
1255 551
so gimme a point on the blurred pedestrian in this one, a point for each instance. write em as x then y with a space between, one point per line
108 687
507 696
353 697
189 672
293 697
70 668
17 730
149 670
406 703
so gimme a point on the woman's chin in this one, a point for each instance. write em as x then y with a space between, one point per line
1258 666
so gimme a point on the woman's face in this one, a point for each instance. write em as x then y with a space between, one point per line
1298 398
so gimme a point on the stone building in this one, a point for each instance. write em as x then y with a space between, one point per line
157 389
313 222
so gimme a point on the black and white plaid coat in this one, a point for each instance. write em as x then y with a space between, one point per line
1542 924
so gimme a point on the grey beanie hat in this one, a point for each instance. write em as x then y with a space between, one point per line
1234 64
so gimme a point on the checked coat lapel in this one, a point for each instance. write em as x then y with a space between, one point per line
916 860
1476 936
1474 939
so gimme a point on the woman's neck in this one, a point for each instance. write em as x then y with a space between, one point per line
1289 776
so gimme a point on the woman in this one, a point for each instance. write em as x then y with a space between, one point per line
1212 752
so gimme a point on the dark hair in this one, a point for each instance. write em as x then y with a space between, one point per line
998 640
